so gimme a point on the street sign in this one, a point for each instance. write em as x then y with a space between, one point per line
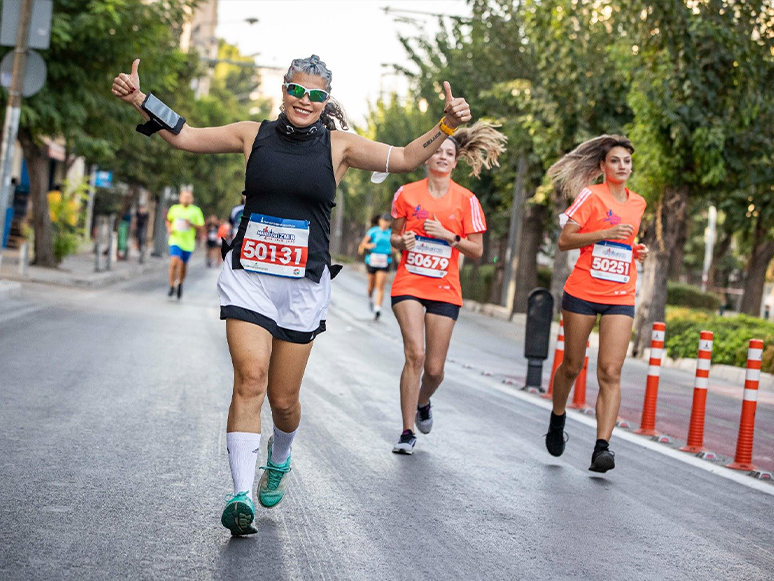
103 179
40 25
34 74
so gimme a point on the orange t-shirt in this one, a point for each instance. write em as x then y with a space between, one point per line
431 269
605 272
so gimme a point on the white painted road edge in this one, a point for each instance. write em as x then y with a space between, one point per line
727 473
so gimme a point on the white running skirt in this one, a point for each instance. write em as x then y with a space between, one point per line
291 309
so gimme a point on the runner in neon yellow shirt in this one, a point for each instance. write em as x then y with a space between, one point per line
184 220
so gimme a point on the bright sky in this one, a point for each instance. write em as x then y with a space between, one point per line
353 37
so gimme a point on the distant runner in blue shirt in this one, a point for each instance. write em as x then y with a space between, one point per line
376 246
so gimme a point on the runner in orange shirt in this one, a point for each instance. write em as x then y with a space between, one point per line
435 220
603 222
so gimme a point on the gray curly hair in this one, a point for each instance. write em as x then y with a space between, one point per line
311 66
314 66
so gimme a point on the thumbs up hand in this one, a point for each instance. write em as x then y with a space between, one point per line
456 110
127 87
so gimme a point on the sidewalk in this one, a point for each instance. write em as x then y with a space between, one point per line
729 373
76 270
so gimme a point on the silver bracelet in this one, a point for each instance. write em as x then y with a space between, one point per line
378 177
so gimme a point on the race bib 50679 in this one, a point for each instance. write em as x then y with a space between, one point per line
429 257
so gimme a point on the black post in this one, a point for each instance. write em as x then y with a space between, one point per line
540 311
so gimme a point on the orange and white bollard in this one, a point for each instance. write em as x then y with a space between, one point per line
744 443
579 394
648 422
698 410
558 358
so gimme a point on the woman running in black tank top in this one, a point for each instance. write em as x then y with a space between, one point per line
279 262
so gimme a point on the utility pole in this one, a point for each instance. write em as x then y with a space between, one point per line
12 111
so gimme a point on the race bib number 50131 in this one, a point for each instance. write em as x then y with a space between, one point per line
611 261
275 246
429 257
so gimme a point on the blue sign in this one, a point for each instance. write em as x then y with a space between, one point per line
104 179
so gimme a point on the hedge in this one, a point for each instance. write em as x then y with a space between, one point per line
731 336
688 295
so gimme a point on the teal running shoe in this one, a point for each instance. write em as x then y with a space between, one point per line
239 514
271 490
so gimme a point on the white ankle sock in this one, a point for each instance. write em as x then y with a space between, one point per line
280 450
243 449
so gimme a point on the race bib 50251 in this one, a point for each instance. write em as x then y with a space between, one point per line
275 246
429 257
611 261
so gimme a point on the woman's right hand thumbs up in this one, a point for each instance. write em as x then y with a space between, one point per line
126 87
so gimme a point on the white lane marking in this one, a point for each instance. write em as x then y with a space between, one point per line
11 315
738 477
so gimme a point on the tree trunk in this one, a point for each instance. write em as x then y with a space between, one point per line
495 296
511 256
559 276
754 282
531 236
37 167
673 212
676 266
561 270
719 252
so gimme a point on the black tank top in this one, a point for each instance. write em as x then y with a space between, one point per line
290 175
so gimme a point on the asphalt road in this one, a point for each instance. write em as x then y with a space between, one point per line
113 462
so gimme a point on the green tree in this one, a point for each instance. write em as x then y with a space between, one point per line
90 42
697 84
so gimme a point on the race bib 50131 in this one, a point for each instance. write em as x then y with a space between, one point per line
275 246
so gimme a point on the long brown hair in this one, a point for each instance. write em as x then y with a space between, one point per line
580 167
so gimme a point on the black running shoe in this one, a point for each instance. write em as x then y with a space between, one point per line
602 461
377 314
171 292
556 438
180 291
406 443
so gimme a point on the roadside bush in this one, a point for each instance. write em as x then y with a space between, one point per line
64 209
477 288
688 295
544 276
731 336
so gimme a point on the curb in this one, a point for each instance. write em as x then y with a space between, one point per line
728 373
10 289
93 280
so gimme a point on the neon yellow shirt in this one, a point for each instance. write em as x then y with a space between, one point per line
183 221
